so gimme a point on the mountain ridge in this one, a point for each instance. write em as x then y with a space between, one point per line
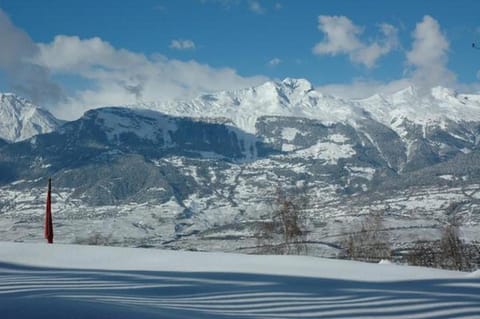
289 97
298 98
198 180
20 119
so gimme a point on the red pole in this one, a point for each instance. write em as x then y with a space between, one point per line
48 215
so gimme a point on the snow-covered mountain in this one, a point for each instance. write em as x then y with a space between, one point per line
200 174
20 119
298 98
288 98
434 106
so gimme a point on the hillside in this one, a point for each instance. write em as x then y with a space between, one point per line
202 174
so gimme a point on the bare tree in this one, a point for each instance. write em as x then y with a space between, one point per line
450 252
453 251
284 232
370 242
95 239
423 254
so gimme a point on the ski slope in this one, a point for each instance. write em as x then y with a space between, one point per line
67 281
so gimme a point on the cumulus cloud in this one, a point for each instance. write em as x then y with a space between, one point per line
426 63
274 62
256 7
182 44
428 57
109 75
363 88
24 77
122 77
342 36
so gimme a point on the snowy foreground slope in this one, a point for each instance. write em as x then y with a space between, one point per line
66 281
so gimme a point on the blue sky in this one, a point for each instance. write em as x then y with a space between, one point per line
115 52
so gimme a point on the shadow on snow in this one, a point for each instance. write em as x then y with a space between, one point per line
32 292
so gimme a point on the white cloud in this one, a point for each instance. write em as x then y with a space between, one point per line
342 37
274 62
429 55
426 62
30 80
363 88
256 7
120 77
278 6
181 44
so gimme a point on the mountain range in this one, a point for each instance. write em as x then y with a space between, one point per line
201 174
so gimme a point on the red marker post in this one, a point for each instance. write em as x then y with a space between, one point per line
48 215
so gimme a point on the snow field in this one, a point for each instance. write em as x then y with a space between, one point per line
40 280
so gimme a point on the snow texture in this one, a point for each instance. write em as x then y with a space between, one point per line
330 152
52 281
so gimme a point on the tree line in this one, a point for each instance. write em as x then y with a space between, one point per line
285 231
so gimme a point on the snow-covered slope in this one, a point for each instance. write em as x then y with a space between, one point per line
115 258
20 119
66 281
298 98
437 107
290 98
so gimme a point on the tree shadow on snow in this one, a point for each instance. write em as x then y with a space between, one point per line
34 292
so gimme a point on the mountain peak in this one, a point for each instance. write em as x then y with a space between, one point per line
287 87
297 98
288 91
14 100
298 84
21 119
408 91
